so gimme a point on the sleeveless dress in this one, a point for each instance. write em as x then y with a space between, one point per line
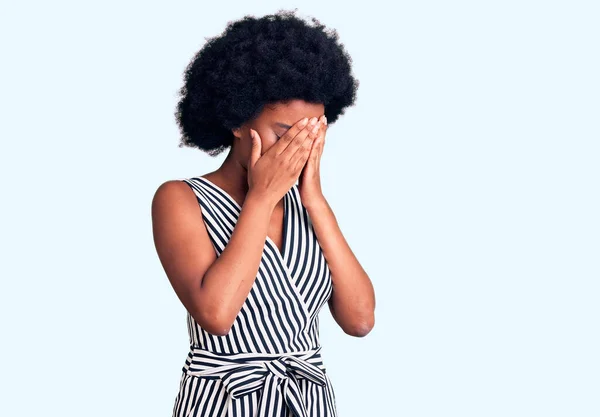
269 364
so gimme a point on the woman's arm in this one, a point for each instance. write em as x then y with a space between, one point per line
213 289
352 303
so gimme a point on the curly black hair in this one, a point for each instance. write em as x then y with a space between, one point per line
259 61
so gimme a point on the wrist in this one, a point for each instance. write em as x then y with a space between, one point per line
316 204
260 198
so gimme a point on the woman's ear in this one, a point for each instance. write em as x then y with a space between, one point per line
237 132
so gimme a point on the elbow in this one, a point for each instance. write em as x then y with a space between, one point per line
217 329
363 328
213 322
211 315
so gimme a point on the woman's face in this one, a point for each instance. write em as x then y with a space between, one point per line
272 123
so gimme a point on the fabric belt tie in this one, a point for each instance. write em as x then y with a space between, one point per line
276 373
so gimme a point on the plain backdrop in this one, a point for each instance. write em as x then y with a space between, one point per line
465 179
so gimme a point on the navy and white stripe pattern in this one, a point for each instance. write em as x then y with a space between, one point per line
269 364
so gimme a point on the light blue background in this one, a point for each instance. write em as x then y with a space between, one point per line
465 178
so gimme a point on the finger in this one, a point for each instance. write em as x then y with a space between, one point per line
290 135
323 128
295 143
256 147
323 134
314 151
320 152
324 121
302 154
300 162
303 148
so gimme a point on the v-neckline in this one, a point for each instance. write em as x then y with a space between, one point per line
281 253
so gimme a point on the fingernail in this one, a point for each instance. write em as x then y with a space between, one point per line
303 122
313 120
324 120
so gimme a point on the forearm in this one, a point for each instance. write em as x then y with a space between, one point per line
353 298
228 281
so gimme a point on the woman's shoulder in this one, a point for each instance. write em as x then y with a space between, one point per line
185 185
175 194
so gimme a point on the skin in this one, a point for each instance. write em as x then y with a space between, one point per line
213 289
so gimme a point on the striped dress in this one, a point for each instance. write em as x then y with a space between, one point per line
269 364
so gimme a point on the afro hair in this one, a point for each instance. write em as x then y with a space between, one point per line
259 61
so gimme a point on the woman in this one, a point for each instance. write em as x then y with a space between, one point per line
252 255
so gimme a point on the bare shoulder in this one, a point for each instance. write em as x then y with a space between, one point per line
173 192
176 214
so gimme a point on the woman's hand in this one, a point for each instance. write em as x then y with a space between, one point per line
310 178
273 174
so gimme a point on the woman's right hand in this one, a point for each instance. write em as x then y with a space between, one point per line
273 174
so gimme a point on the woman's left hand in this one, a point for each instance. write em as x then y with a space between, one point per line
309 182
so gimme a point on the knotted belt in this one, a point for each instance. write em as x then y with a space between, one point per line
244 373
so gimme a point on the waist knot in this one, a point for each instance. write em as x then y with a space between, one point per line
276 373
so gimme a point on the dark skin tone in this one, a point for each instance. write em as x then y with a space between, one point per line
213 289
